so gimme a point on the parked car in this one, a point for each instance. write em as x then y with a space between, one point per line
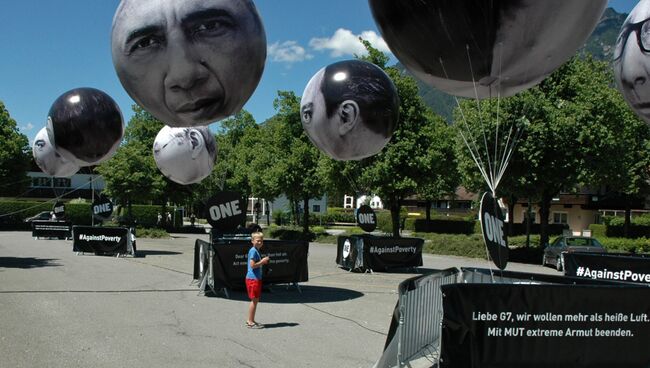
41 216
553 252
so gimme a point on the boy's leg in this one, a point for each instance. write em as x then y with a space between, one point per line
252 307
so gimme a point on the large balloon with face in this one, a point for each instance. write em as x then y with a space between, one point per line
632 60
485 48
48 159
185 155
189 63
85 126
350 109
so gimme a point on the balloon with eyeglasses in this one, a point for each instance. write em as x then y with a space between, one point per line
632 60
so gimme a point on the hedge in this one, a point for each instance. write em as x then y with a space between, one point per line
446 226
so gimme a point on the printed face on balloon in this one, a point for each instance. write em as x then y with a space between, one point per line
349 110
185 155
189 63
48 160
632 59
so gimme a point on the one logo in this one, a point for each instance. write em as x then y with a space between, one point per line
226 210
492 227
346 248
366 218
102 208
59 210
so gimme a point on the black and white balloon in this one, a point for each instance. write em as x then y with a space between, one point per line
632 60
185 155
350 109
85 126
48 160
498 46
189 63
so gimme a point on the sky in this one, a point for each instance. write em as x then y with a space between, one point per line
49 47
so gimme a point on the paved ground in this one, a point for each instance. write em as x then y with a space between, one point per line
58 309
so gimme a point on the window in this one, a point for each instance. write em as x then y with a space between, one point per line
62 183
41 182
560 217
315 208
533 216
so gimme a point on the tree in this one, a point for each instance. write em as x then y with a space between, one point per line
415 158
131 175
569 122
15 156
287 161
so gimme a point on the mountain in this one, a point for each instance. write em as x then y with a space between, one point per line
600 44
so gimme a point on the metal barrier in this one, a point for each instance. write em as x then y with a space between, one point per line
420 314
414 337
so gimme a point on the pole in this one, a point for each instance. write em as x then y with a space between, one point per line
92 196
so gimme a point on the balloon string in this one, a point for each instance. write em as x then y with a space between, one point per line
473 148
480 114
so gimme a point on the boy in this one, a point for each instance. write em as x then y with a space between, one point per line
254 277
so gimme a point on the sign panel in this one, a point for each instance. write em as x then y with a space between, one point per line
94 239
492 221
366 218
508 325
51 229
102 208
226 210
59 210
378 253
601 266
288 262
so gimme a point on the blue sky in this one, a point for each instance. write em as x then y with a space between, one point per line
49 47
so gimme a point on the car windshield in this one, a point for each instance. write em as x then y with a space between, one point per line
582 242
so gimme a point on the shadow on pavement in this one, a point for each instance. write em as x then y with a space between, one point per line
279 324
281 294
144 253
27 262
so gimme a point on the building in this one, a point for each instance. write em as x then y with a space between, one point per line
84 184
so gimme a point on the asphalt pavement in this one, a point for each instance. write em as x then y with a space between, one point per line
59 309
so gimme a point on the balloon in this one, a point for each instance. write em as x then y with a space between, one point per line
505 46
632 60
189 63
350 109
185 155
48 159
85 125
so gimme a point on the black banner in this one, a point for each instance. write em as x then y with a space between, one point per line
226 210
52 229
366 218
600 266
105 240
59 210
501 325
288 262
378 253
102 208
492 221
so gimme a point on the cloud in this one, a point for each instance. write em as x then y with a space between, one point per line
344 42
287 52
27 127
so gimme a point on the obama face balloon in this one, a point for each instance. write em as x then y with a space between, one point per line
189 63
